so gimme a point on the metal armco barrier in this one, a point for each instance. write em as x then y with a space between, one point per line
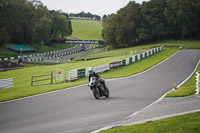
6 83
198 82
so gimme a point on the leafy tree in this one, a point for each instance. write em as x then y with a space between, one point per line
70 27
153 26
128 21
108 31
30 22
4 36
42 30
184 17
120 30
60 26
104 17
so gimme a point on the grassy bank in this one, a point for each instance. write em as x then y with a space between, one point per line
40 49
187 89
22 77
87 29
180 124
117 52
140 66
54 47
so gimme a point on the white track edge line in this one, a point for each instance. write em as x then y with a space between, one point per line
143 121
41 94
161 117
86 84
114 125
147 69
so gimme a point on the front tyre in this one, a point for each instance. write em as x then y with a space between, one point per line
96 93
107 93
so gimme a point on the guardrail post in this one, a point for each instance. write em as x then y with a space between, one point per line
198 82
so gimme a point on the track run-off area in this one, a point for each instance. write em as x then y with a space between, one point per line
75 110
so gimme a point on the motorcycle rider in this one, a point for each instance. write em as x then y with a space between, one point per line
92 73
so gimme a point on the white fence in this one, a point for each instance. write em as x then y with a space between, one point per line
6 83
75 74
198 83
99 69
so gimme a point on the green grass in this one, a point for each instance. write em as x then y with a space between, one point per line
140 66
141 48
180 124
189 88
83 29
87 29
22 77
118 52
184 44
4 52
54 47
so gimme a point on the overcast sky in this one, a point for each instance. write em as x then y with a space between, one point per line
98 7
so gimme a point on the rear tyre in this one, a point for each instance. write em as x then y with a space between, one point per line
96 93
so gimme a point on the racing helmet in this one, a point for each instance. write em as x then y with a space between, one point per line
90 70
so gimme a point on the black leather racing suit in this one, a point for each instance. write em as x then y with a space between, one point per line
98 79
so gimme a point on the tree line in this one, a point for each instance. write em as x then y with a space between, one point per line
152 21
84 15
30 22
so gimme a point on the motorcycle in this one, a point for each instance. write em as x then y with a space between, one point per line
98 88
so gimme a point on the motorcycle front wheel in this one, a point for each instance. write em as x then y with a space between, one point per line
96 93
107 93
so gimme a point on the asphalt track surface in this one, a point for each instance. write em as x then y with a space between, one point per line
75 110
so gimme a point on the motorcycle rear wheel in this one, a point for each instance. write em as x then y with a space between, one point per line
96 93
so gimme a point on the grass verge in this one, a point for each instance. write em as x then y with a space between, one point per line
4 52
54 47
189 88
22 77
140 66
180 124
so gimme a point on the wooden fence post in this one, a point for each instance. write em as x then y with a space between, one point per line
31 80
51 77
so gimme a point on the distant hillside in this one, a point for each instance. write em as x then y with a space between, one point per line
87 29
